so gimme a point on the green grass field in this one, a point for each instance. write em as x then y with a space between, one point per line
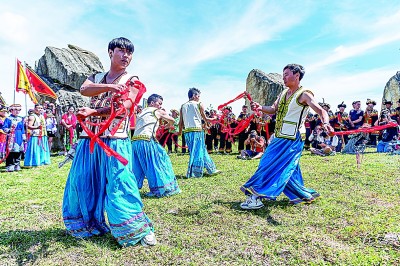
356 222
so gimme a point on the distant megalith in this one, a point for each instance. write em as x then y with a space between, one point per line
264 88
392 90
64 70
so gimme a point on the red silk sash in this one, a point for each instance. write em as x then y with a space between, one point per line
117 109
365 129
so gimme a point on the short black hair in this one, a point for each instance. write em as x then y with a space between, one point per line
193 91
121 42
154 97
296 68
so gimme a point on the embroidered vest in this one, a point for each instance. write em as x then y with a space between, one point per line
290 115
104 100
146 124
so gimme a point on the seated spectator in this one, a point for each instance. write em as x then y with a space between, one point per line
388 134
315 137
257 147
327 145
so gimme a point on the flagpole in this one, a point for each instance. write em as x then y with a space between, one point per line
15 78
26 106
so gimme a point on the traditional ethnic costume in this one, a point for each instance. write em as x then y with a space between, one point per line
370 117
341 123
194 138
3 135
98 183
243 134
37 151
173 137
212 134
69 133
307 125
14 127
279 169
149 158
225 141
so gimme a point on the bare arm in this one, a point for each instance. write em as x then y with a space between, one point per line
164 116
128 103
31 121
202 113
89 88
267 109
180 122
307 98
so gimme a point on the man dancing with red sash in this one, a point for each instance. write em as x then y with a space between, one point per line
99 183
279 169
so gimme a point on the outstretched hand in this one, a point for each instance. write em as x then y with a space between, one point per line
84 112
117 88
255 106
328 129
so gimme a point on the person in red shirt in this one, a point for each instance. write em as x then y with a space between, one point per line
257 147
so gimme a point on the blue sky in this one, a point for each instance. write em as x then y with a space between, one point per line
350 49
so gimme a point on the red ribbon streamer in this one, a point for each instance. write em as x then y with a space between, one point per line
117 109
9 142
365 129
243 124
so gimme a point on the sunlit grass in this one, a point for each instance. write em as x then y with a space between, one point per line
356 222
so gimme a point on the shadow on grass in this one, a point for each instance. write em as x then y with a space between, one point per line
27 246
262 212
181 177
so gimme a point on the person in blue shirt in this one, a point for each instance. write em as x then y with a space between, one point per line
14 127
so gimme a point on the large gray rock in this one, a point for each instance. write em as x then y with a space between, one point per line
264 88
64 70
392 89
68 66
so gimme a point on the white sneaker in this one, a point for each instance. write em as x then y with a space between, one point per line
251 204
149 239
216 172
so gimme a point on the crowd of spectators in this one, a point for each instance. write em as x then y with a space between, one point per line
18 134
250 142
357 119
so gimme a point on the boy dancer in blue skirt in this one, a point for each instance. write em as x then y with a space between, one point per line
191 116
279 169
98 183
149 158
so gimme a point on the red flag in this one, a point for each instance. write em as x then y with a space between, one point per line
39 85
23 84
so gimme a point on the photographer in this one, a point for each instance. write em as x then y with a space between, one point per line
327 145
315 137
387 135
257 147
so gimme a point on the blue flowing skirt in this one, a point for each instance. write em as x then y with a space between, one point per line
37 152
97 184
150 160
199 158
279 171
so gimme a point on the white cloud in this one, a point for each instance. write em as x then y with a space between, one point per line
376 32
338 87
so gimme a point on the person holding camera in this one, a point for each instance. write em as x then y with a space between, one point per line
327 144
257 147
387 135
315 138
